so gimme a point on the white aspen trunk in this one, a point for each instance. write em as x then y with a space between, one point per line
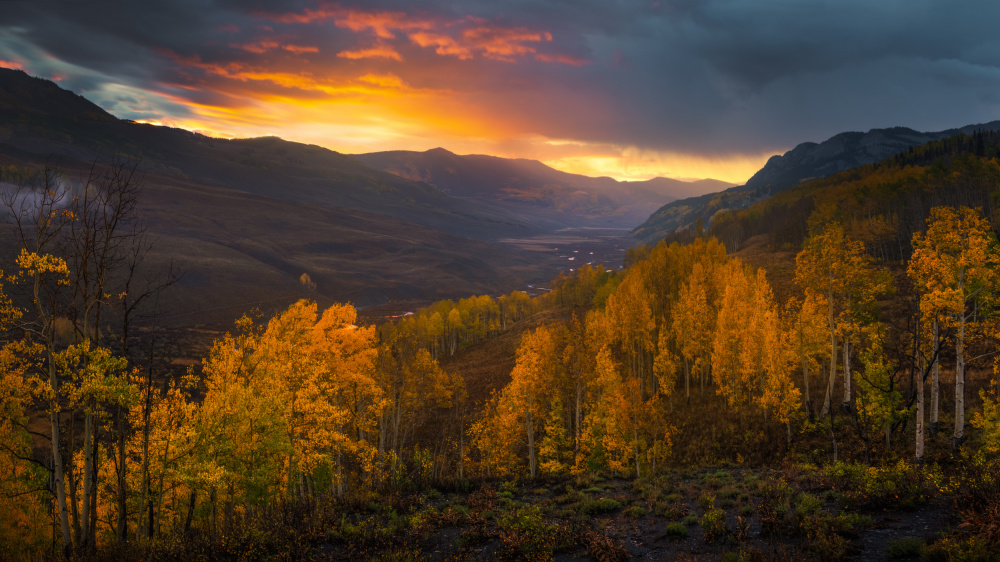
833 355
88 476
58 483
833 377
847 374
936 379
920 414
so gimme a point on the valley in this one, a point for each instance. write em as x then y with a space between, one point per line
426 356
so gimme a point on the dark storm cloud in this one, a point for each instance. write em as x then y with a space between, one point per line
686 75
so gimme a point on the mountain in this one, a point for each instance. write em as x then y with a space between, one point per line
39 117
243 219
805 162
530 188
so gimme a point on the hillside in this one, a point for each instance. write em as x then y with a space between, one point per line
881 204
806 161
42 119
529 187
242 220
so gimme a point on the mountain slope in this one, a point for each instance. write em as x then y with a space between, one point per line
38 117
806 161
529 187
243 219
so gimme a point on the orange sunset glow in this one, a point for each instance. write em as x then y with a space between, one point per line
632 91
394 80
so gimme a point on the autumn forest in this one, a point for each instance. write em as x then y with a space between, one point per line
843 332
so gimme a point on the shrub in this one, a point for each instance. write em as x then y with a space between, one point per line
714 523
956 548
906 547
707 501
635 512
677 531
602 505
807 503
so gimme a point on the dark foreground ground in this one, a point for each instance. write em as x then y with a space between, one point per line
797 513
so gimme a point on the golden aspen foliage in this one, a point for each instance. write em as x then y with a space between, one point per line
345 400
836 267
24 498
555 449
752 356
693 326
954 264
531 380
988 421
805 322
496 438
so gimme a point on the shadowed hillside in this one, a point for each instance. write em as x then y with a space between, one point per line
40 118
805 162
242 220
528 187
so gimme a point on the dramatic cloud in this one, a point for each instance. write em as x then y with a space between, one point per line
689 88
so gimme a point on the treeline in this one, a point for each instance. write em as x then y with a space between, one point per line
606 390
881 204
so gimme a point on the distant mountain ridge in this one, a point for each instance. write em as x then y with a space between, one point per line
37 116
529 186
806 161
245 218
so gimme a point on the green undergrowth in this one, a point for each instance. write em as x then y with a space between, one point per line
802 512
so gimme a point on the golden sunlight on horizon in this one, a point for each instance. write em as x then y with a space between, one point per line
371 132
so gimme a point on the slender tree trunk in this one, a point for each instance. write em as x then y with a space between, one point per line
936 378
140 529
461 448
576 415
833 354
920 411
847 374
687 381
340 479
833 437
190 512
959 386
71 479
833 376
121 532
95 462
531 439
805 384
635 438
57 460
88 477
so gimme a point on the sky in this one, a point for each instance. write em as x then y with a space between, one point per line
628 89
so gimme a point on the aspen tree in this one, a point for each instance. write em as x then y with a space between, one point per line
805 322
835 266
537 362
954 264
